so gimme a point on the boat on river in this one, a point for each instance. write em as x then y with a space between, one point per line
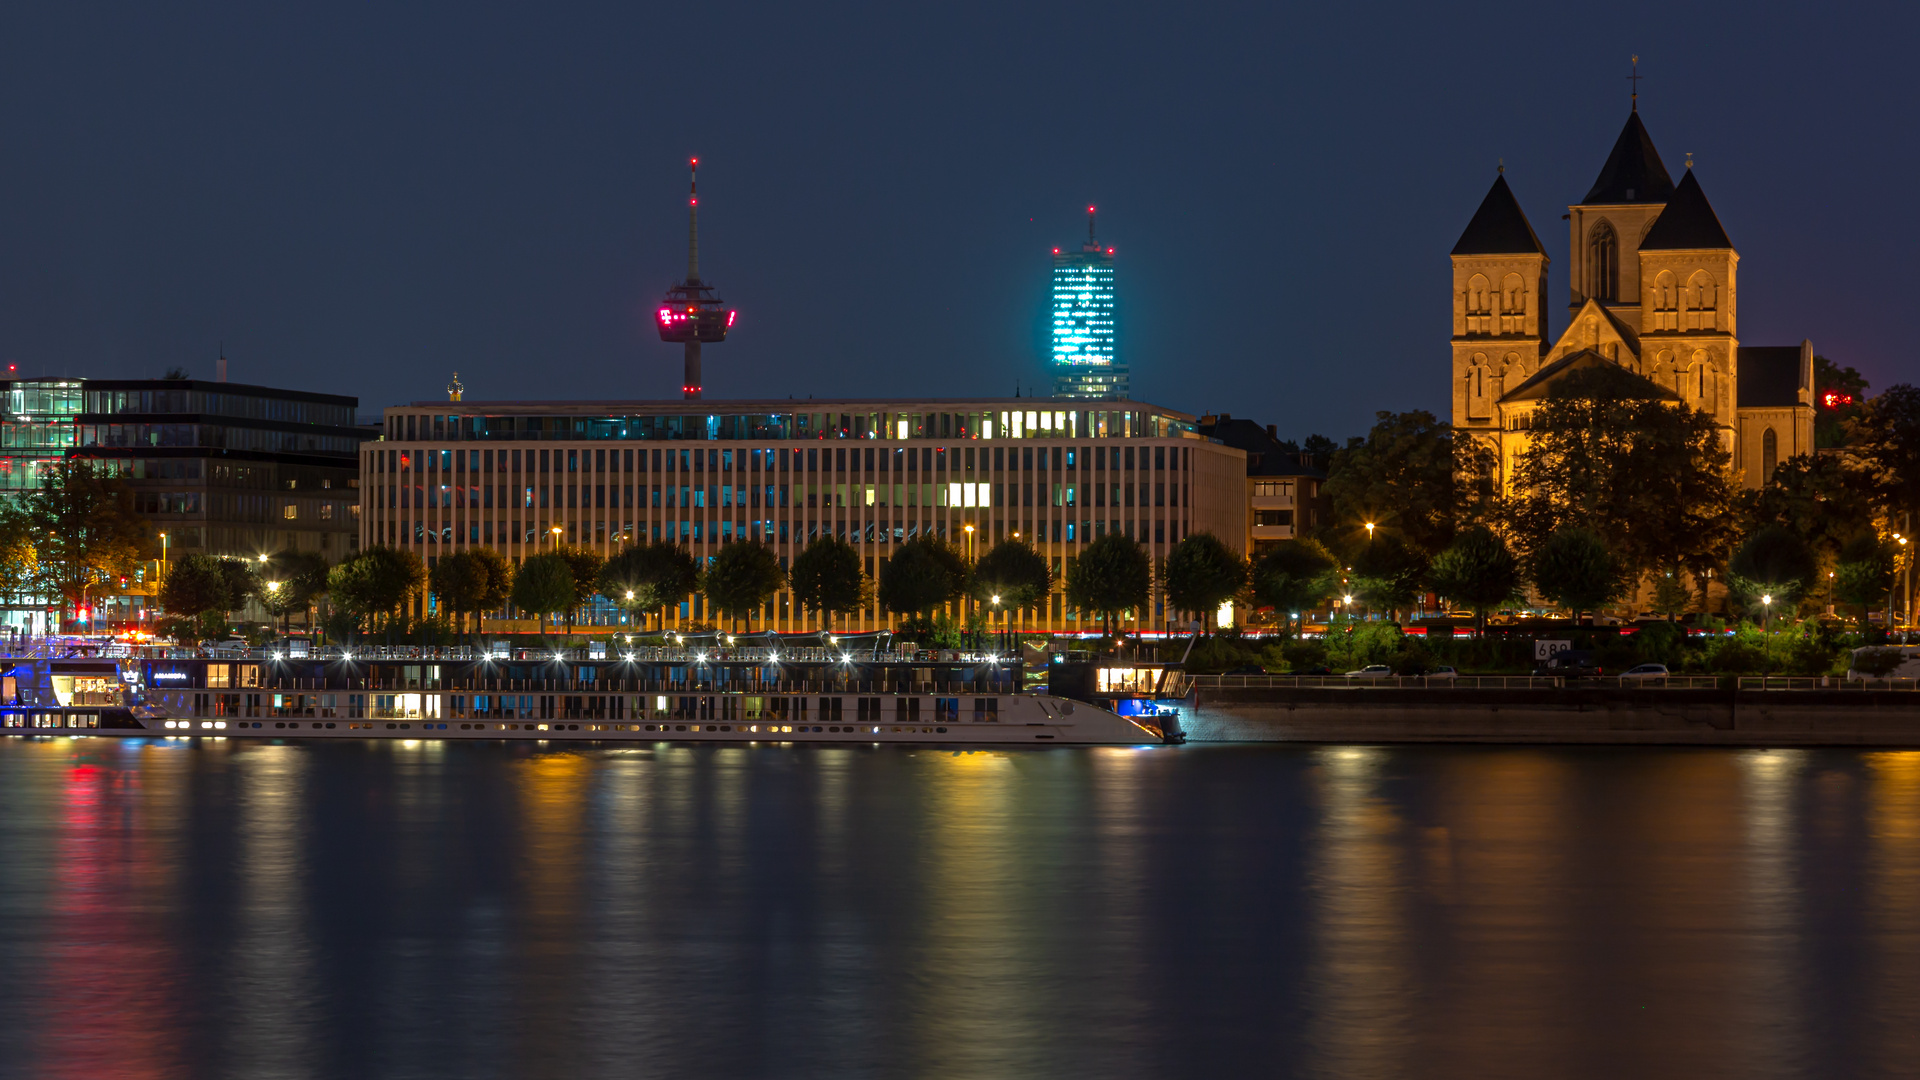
825 690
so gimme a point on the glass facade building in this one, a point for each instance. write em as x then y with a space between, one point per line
221 468
1083 362
507 475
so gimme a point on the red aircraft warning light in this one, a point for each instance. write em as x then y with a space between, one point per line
1834 399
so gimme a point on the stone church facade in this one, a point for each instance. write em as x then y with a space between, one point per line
1655 289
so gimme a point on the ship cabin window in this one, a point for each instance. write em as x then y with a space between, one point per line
986 710
945 709
906 710
869 710
830 708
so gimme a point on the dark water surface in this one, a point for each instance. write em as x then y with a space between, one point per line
394 910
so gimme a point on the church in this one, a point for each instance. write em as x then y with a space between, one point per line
1655 289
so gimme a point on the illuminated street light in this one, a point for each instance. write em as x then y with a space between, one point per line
1766 612
1369 530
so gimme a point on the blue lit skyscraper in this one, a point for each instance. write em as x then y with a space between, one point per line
1083 360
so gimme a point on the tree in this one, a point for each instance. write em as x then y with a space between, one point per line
372 583
499 578
1823 498
1113 574
741 578
292 580
827 577
1775 562
1574 570
1014 572
923 574
545 585
1387 573
1413 475
1613 453
647 577
1478 570
1886 440
585 565
83 528
1201 573
1864 575
242 582
19 560
1292 575
460 581
195 587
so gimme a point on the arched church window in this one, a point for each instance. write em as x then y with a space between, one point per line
1603 263
1666 302
1701 301
1513 305
1769 454
1479 305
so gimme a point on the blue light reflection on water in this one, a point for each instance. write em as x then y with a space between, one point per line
204 907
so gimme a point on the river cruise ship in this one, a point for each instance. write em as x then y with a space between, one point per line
712 690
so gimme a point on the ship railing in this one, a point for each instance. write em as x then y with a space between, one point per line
1851 681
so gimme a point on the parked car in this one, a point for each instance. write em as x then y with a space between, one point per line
1372 671
1320 670
1442 673
1642 672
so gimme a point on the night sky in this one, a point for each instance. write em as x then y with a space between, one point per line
365 197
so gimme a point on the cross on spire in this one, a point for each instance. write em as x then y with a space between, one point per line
1635 80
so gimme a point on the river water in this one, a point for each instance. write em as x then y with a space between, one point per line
214 908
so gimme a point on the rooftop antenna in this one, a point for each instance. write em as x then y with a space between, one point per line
693 220
221 374
1092 245
1635 80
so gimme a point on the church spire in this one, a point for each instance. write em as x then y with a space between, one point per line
1688 222
1633 172
1499 227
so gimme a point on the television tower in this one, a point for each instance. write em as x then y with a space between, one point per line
691 313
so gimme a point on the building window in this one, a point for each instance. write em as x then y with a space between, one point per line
1479 305
290 511
1769 454
1603 263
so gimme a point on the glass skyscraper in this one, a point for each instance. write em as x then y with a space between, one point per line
1083 363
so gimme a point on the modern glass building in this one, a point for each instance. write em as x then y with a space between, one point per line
522 476
1083 363
221 468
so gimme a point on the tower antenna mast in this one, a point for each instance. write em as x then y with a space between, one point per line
691 314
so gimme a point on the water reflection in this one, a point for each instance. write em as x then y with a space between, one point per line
208 907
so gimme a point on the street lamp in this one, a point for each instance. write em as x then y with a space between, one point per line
557 530
1766 612
163 556
1369 530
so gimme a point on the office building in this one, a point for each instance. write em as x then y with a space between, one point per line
1084 364
522 476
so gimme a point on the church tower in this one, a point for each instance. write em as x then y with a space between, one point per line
1499 327
1607 227
1689 337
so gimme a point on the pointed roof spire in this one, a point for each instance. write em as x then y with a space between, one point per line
1688 222
1499 227
1633 172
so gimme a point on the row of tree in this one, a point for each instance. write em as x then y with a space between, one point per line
1620 493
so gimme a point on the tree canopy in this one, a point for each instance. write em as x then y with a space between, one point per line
741 578
1574 570
1113 574
923 573
1608 453
544 585
1292 575
372 583
656 574
1388 572
83 528
1774 561
1478 570
827 576
1014 572
1885 439
1412 475
1201 573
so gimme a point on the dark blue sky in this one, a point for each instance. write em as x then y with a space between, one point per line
364 197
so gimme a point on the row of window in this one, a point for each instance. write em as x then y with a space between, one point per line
414 531
781 427
809 496
900 460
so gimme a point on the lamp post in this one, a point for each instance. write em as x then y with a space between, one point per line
556 530
1369 531
1766 610
163 556
996 615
